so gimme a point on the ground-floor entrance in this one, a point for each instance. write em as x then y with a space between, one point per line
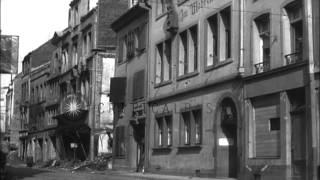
139 137
227 138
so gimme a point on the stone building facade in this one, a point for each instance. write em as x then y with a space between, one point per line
232 89
128 88
281 106
195 90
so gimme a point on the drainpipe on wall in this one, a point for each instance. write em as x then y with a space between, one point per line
312 91
241 63
147 93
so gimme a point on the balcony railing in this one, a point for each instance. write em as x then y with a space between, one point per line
293 58
262 67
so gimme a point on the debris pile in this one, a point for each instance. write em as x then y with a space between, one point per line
100 163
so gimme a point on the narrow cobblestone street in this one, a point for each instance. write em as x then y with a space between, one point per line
21 172
25 173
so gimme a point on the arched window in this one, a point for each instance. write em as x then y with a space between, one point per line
292 31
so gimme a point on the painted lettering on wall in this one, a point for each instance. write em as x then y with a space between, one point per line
199 4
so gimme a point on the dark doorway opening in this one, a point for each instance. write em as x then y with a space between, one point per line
139 137
227 155
298 133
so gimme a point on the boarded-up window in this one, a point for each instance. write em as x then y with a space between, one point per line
118 89
138 85
119 141
267 126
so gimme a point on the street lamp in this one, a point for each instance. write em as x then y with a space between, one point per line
74 146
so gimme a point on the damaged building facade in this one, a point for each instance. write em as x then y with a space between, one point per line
34 141
74 113
232 89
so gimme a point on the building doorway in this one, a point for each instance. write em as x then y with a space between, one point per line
139 137
226 154
298 133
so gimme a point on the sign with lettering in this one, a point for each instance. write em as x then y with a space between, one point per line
193 8
199 4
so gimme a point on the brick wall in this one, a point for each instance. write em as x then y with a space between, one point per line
109 10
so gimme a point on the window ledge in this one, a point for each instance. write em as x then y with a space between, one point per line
186 76
164 83
190 147
161 150
266 157
218 65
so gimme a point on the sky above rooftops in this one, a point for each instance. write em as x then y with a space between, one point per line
34 21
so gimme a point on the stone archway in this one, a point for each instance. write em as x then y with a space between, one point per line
227 159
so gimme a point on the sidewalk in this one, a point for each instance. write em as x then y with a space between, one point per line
151 176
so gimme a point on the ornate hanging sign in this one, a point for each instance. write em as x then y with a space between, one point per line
73 104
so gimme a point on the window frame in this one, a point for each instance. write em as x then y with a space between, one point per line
260 62
290 23
163 66
187 33
221 45
193 121
65 58
163 135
